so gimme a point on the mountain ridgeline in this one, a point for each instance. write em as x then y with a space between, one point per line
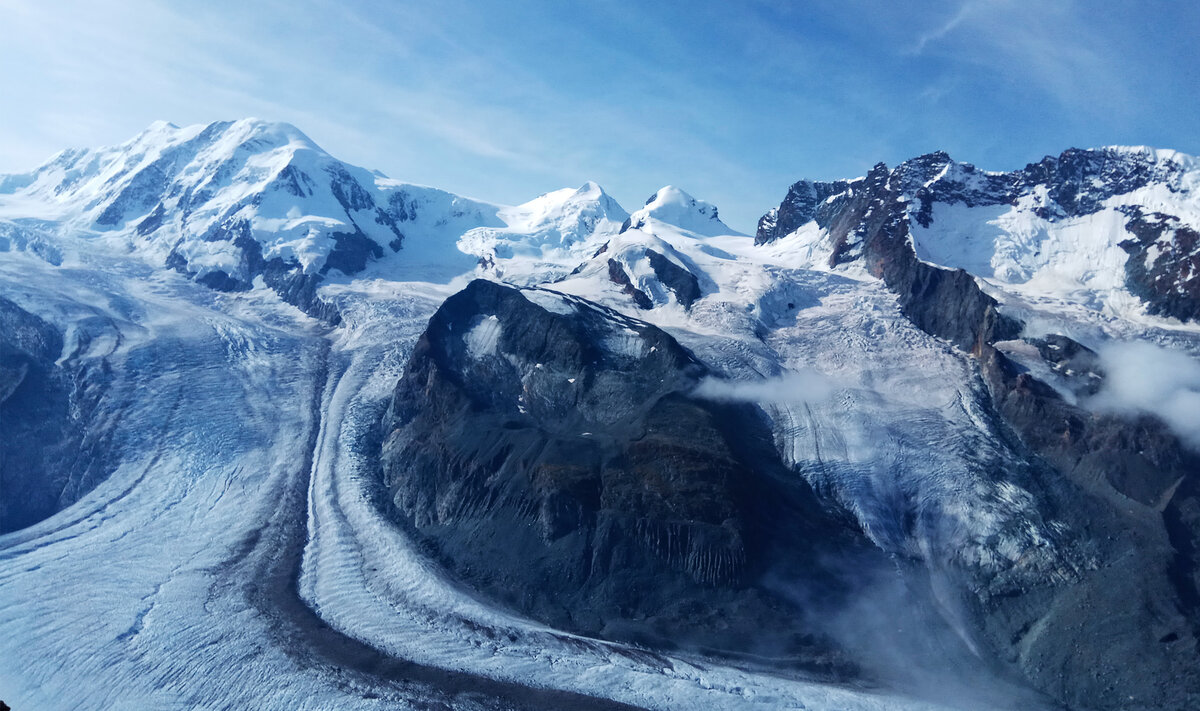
1162 268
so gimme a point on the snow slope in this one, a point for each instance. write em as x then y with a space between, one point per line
542 237
225 202
184 187
672 206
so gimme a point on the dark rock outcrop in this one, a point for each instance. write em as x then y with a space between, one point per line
1163 268
618 276
868 222
286 278
45 407
798 209
679 280
352 252
555 462
1124 634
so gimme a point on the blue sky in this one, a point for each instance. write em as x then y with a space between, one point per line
506 100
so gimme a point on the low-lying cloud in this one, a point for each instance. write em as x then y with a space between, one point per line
1145 378
790 388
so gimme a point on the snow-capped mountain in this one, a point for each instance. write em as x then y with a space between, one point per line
231 202
896 451
1109 227
539 238
224 197
674 207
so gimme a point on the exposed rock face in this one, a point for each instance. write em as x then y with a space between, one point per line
618 276
1122 631
1127 628
44 409
679 280
1162 268
868 221
1164 264
547 451
798 208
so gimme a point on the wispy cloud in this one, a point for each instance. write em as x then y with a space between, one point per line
788 389
1144 378
964 11
1051 46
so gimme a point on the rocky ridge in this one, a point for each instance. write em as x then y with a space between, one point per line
1132 475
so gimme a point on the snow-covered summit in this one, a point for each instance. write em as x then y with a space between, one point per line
545 238
672 206
565 216
192 155
232 201
228 202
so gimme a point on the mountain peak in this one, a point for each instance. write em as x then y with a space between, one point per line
254 134
673 206
556 204
563 217
160 126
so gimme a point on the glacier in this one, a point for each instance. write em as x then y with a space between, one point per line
236 555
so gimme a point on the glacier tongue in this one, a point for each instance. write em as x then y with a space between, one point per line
246 453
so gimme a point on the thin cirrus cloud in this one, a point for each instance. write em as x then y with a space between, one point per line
1052 45
504 101
945 28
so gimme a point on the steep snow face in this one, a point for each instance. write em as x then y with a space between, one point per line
433 222
672 206
1013 246
1038 247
